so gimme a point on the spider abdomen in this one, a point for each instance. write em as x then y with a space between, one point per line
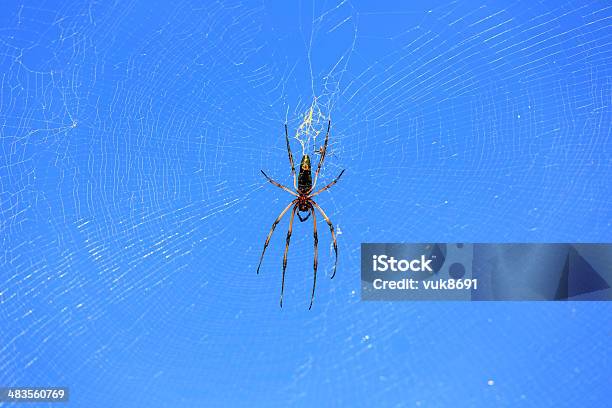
305 176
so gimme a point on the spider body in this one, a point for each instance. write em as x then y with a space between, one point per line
305 176
303 203
304 187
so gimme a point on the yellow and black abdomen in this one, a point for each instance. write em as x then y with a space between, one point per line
305 176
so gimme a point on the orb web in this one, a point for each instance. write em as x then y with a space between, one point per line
133 211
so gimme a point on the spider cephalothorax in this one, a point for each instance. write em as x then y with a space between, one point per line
303 203
303 206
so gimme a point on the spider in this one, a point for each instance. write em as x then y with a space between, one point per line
319 151
303 203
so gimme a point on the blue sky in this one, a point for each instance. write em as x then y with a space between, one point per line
134 210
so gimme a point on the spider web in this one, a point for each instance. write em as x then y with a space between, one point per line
134 213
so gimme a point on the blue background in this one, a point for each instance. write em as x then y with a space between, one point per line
133 212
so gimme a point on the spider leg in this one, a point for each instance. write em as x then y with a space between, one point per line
329 185
322 158
290 157
278 184
287 250
331 229
316 258
272 231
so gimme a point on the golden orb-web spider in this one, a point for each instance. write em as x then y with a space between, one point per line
303 186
